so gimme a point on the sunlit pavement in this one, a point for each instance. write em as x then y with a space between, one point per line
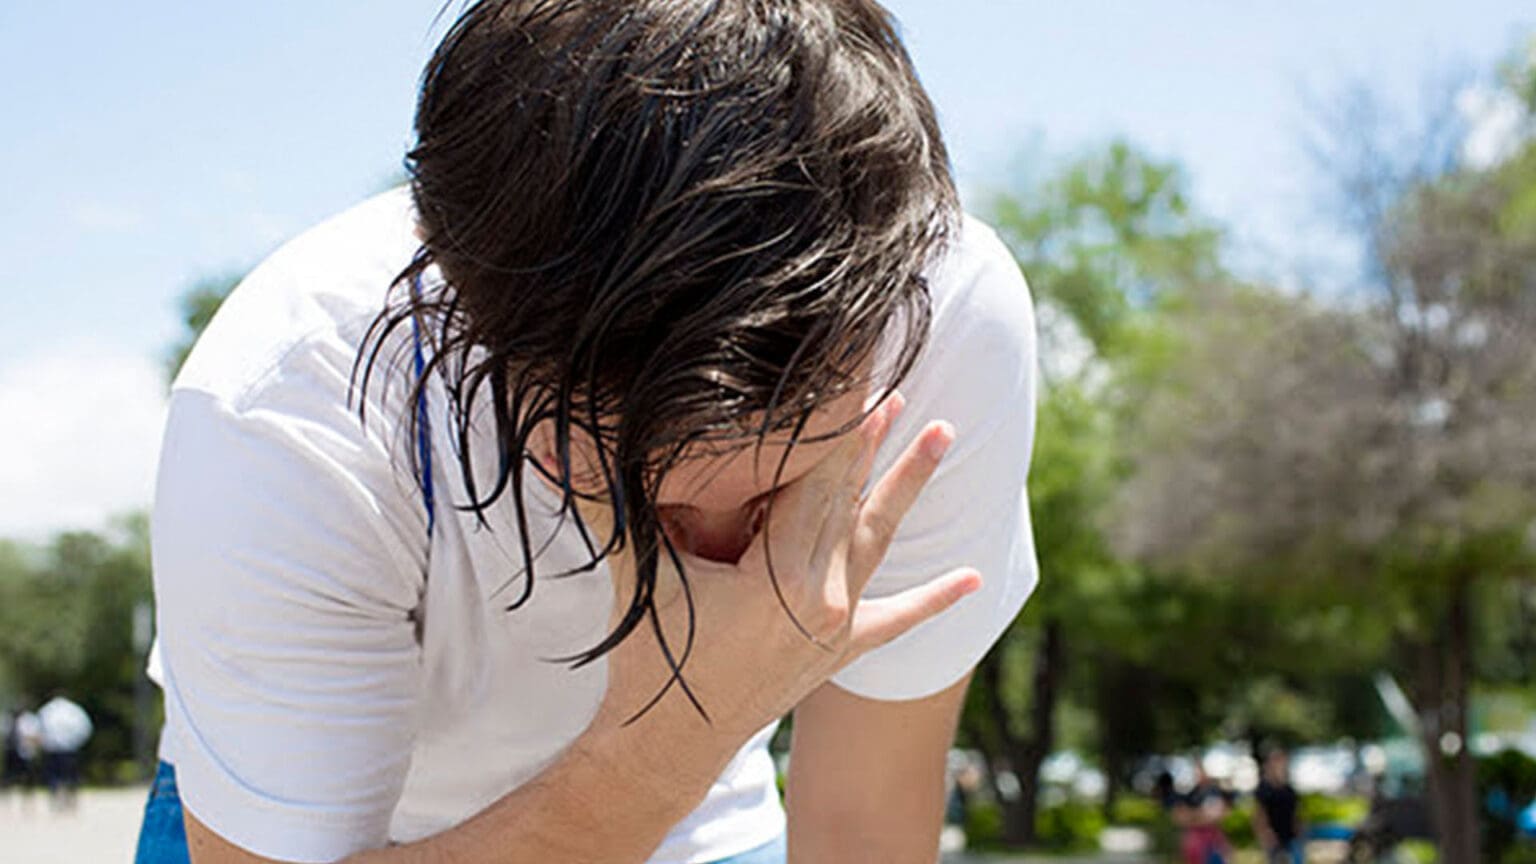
104 829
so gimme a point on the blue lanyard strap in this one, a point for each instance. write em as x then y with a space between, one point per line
423 431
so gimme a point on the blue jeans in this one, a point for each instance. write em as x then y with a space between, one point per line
163 836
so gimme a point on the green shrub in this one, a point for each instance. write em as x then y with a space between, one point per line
1069 827
1238 825
1328 810
1138 811
1506 783
1520 853
1418 852
983 825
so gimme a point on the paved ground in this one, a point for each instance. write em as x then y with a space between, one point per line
105 827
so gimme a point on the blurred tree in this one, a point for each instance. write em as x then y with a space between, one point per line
1375 446
198 306
66 621
1102 241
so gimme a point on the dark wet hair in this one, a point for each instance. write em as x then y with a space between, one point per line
655 219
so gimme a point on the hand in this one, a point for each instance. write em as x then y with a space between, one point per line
750 663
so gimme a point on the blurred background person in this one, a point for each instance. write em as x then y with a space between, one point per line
22 733
65 729
1198 813
1277 811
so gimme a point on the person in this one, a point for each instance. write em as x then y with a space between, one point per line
1277 816
502 518
23 743
1165 790
1198 813
65 728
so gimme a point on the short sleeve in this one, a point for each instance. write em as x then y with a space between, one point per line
287 562
977 371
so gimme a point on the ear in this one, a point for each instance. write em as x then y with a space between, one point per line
586 475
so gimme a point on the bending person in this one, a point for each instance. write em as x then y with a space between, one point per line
501 518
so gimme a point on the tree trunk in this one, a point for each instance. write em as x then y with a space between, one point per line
1015 824
1444 676
1114 769
1124 725
1024 753
1049 661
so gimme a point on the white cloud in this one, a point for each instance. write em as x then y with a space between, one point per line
1497 123
79 437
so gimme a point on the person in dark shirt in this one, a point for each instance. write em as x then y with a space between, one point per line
1277 818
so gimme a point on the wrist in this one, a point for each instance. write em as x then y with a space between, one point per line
671 762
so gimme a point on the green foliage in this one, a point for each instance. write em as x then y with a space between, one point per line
1268 708
1138 811
1103 241
1506 783
983 826
1070 826
1329 810
1073 477
1238 824
1064 827
66 623
198 306
1067 827
1518 73
1106 237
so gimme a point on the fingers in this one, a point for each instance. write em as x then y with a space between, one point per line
878 621
891 498
839 478
873 431
800 511
835 524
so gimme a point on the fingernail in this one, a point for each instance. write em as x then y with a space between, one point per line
970 584
937 443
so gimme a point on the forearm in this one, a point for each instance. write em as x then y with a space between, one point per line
610 799
899 835
895 820
866 778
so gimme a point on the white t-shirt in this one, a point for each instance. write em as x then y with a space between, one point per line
333 681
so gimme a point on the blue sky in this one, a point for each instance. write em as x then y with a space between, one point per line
146 145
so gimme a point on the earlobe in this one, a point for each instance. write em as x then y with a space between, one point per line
586 476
